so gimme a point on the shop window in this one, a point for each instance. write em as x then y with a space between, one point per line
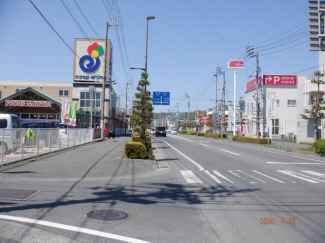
24 116
63 92
52 116
42 116
18 90
275 126
33 116
85 100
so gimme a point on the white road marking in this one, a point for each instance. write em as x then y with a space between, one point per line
268 176
222 176
212 176
73 228
314 173
280 177
299 176
192 161
232 171
190 177
268 151
204 141
204 145
179 137
229 152
294 163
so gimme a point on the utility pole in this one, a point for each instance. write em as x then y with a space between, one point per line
259 112
188 107
102 113
126 106
219 71
216 113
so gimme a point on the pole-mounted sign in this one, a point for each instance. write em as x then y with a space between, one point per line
235 64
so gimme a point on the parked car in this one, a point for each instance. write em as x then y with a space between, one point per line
173 132
10 136
160 131
44 133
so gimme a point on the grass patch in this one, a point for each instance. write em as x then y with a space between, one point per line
311 144
311 149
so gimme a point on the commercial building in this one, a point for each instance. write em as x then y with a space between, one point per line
278 106
42 101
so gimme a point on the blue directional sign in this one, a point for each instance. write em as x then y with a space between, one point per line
161 98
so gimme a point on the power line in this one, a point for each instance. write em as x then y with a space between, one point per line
53 28
86 19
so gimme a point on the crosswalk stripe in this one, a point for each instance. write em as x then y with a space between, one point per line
222 176
314 173
232 171
300 176
268 176
190 177
212 176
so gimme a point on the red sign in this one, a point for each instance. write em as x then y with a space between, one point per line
252 84
199 114
280 80
28 103
235 64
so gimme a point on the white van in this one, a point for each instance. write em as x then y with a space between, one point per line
10 133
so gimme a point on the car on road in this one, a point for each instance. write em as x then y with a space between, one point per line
173 132
160 131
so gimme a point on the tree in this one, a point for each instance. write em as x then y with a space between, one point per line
142 107
241 114
318 105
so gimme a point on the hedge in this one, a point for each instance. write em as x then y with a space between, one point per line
320 146
208 135
135 150
200 134
235 138
218 135
182 132
253 140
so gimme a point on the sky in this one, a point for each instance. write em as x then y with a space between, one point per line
188 39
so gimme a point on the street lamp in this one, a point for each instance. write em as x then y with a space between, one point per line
92 90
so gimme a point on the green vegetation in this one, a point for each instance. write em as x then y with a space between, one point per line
254 140
235 138
320 146
135 150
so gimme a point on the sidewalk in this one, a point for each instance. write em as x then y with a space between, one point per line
93 161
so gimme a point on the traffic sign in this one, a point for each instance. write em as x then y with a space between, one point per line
160 98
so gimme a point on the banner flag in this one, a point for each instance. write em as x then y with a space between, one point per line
65 110
73 114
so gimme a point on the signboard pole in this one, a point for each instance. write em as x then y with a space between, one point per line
235 84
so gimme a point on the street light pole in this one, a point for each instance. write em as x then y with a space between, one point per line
146 60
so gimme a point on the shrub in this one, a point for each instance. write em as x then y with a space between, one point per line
182 132
208 132
135 150
320 146
253 140
200 134
208 135
235 138
137 138
217 135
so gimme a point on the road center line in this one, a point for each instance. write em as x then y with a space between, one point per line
72 228
229 152
205 145
294 163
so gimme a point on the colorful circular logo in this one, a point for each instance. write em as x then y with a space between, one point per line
90 63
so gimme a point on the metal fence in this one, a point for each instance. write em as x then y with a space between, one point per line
16 146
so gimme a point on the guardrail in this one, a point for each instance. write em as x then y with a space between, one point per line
15 146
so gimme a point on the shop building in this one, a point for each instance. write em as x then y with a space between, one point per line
278 99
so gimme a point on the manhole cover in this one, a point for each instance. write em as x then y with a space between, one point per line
107 215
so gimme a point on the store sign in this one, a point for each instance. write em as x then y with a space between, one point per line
280 80
28 103
89 60
270 106
199 114
235 64
252 84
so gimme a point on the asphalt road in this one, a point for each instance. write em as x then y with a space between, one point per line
204 190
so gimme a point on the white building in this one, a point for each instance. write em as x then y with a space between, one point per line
279 93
